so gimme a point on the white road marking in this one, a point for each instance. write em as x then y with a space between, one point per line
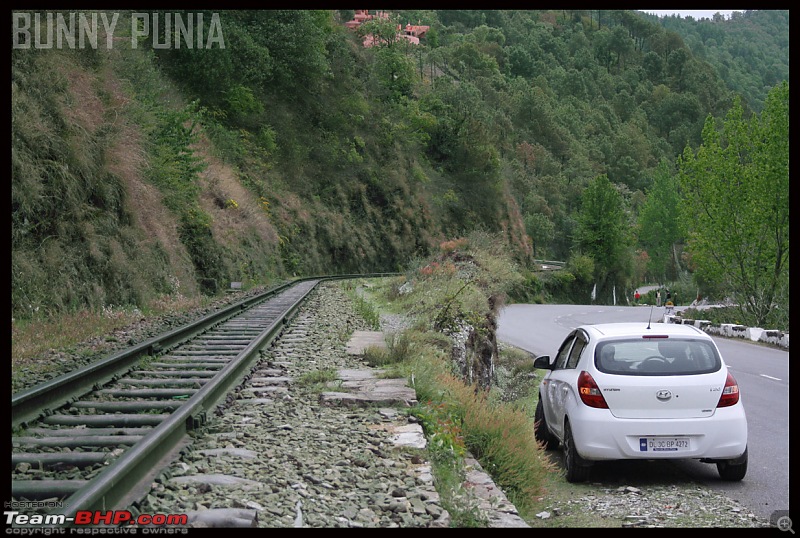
770 377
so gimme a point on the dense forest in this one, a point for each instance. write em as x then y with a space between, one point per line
139 171
750 51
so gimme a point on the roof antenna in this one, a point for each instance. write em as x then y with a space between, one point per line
651 317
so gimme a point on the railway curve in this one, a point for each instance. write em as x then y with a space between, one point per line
115 423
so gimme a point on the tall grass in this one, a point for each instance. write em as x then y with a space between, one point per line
458 418
364 308
398 347
501 438
75 242
494 425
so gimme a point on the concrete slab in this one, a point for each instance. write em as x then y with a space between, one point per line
409 435
356 375
362 400
361 340
364 388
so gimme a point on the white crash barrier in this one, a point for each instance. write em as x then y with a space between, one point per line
730 330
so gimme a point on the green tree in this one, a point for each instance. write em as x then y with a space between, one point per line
541 231
296 40
677 64
469 61
212 72
383 31
603 47
621 45
653 66
736 202
659 226
602 233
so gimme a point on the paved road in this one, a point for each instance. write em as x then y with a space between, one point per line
762 373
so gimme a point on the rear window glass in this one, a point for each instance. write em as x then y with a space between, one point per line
667 356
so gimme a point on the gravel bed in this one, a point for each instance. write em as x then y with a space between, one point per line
684 505
285 460
292 462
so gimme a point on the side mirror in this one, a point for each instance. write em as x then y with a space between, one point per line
543 363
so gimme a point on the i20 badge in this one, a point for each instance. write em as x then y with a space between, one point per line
663 395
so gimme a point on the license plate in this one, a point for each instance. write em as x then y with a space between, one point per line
663 444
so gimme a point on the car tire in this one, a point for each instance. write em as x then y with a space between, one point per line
541 431
577 469
733 470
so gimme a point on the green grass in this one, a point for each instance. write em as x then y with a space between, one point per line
318 380
365 309
397 350
458 418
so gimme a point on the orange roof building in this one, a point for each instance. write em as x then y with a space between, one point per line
411 33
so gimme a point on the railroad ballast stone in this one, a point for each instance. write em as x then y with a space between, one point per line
682 505
317 465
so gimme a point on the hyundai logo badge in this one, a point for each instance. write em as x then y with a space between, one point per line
663 395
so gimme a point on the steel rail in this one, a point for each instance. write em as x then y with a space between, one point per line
30 404
128 477
116 486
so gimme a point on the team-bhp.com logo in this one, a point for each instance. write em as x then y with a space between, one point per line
114 518
73 30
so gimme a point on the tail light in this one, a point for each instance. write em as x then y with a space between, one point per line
590 392
730 394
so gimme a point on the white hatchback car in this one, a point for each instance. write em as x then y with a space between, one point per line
636 391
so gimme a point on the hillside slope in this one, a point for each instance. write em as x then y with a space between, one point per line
141 173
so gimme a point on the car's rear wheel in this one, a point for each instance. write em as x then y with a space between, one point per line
540 429
733 470
577 469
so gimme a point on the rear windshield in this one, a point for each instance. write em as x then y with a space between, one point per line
667 356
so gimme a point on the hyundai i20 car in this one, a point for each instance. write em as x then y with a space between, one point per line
638 391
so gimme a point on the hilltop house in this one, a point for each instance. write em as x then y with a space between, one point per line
411 33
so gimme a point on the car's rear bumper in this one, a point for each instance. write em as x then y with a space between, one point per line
600 436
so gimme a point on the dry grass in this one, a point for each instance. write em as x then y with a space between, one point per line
32 339
84 108
220 184
126 158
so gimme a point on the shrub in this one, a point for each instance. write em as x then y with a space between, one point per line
318 379
398 349
365 309
530 289
207 255
241 103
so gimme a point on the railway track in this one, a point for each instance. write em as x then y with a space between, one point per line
94 439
